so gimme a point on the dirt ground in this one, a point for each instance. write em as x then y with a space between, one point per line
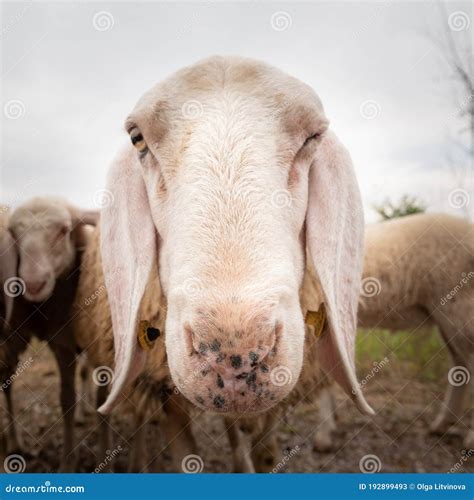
397 436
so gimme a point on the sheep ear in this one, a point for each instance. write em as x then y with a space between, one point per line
8 269
81 219
128 249
88 217
334 234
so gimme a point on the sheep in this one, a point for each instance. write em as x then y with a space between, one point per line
435 255
9 440
418 274
48 236
231 171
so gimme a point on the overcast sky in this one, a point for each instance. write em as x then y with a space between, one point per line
71 73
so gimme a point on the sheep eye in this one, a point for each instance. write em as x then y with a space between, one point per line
310 138
138 141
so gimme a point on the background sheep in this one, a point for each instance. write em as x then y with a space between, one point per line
7 261
418 274
10 348
49 236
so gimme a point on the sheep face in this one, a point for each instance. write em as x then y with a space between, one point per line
216 188
233 181
44 233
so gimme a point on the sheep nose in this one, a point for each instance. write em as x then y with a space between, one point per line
234 364
35 287
234 368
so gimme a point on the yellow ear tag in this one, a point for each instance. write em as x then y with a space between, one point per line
316 319
147 335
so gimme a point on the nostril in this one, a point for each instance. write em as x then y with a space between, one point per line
236 361
253 357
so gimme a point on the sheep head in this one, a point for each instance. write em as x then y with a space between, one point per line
44 233
230 173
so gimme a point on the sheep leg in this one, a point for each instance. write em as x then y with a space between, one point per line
137 461
86 392
66 360
326 420
265 446
455 396
468 442
451 407
178 432
12 439
240 440
104 430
